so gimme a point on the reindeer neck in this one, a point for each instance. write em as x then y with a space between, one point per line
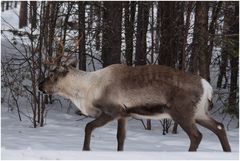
76 84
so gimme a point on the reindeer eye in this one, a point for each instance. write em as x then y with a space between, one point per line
52 76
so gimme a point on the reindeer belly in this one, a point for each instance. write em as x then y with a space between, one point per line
145 104
152 117
149 111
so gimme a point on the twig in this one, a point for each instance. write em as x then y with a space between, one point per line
145 127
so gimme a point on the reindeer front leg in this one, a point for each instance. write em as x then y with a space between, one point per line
98 122
121 133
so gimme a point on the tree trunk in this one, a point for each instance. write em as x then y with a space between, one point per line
112 22
98 25
180 35
199 58
222 68
33 13
130 8
142 26
174 131
212 28
52 14
61 45
149 124
234 57
15 4
167 51
233 98
23 15
152 33
7 5
2 6
81 36
42 111
158 26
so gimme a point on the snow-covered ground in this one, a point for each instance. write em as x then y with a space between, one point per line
62 138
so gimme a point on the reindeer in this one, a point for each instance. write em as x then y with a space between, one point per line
146 92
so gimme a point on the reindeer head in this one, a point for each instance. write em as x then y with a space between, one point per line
56 74
49 84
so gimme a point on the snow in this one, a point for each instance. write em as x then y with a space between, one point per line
62 135
71 155
62 138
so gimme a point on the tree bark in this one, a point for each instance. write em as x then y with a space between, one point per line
112 22
33 13
222 69
234 59
149 124
61 45
2 6
53 15
212 28
81 36
180 36
15 4
167 51
142 26
7 5
152 33
23 15
98 25
130 8
199 57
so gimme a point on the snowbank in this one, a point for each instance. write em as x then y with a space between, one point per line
79 155
62 138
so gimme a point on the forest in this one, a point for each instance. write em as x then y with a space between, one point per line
199 37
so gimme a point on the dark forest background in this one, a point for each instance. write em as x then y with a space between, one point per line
197 37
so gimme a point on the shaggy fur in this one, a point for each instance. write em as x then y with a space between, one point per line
150 91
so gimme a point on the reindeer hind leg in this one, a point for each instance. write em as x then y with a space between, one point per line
194 134
188 124
218 129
